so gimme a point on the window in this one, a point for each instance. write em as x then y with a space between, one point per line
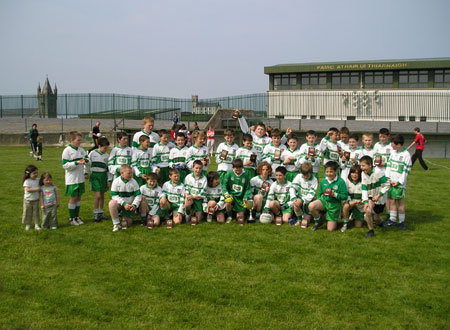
345 80
442 78
379 79
314 80
413 79
284 81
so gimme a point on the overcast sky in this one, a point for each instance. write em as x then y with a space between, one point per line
177 48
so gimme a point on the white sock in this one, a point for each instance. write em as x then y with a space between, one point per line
393 216
401 217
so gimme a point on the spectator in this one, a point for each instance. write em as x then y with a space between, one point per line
420 144
32 137
95 136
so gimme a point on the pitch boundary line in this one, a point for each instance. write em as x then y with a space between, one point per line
448 168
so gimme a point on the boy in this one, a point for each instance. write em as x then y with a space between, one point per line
272 152
177 156
173 194
332 192
249 156
120 155
302 192
260 186
160 157
98 160
397 170
151 197
367 149
197 151
126 197
195 192
148 123
310 152
289 157
226 153
374 186
215 199
329 148
74 161
278 197
353 153
141 161
382 149
344 135
236 190
420 142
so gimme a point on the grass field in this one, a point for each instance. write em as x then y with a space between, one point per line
223 276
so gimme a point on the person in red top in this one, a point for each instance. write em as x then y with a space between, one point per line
210 141
419 141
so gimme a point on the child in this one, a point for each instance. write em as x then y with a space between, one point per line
260 186
197 151
332 192
354 203
302 192
99 179
141 161
329 146
31 198
289 157
126 197
420 142
310 152
344 135
215 199
278 197
367 149
272 152
382 149
39 148
210 140
195 185
374 186
161 157
397 170
173 194
226 153
353 153
148 123
177 156
74 162
236 190
151 197
49 201
249 156
120 155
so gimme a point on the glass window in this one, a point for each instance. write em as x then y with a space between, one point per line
442 78
379 79
345 80
284 81
314 80
413 79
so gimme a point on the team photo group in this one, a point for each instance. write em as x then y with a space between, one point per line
273 177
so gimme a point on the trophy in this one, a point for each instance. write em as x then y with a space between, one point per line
265 188
206 159
278 220
347 155
224 154
211 210
277 155
339 150
240 220
328 192
378 160
235 114
194 220
253 158
169 223
150 224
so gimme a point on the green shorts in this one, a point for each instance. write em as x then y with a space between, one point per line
333 210
99 181
163 175
396 193
287 211
197 206
238 205
290 176
357 214
126 214
75 190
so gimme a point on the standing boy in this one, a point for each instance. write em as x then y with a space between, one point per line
310 152
272 152
302 192
195 192
177 156
160 156
141 161
289 157
278 199
120 155
249 156
148 124
226 153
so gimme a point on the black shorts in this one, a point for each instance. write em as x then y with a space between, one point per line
379 208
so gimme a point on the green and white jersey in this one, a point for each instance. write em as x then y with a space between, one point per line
373 184
215 194
354 190
303 157
225 165
292 166
152 197
398 167
98 162
268 156
279 193
303 189
355 155
337 185
256 184
154 139
118 157
126 192
367 152
343 145
329 150
244 154
141 161
160 155
177 157
174 193
194 154
195 186
384 151
74 172
237 186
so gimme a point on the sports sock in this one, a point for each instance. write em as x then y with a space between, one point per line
298 214
71 208
317 220
77 209
346 221
401 217
393 216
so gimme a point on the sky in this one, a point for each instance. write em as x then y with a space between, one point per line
178 48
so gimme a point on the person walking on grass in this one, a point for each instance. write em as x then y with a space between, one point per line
419 141
32 137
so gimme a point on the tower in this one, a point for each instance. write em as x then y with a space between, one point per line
47 100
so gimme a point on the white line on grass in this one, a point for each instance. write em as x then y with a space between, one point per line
448 168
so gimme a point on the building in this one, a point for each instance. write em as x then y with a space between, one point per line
416 89
208 108
47 100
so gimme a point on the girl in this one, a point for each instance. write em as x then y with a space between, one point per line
49 201
210 140
354 203
31 198
214 196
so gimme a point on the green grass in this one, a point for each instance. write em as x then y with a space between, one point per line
223 276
